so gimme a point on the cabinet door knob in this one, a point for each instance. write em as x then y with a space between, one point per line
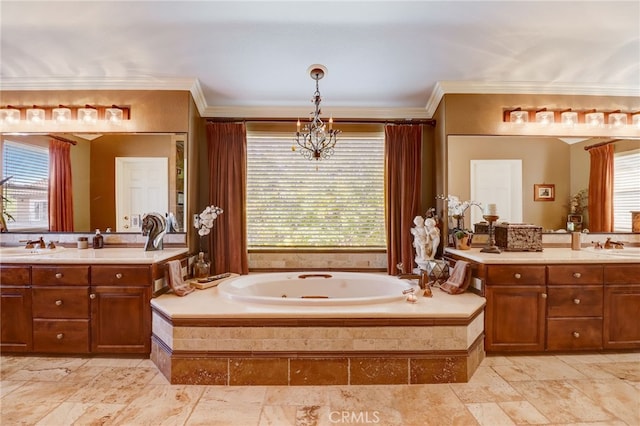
543 295
577 275
92 296
59 336
118 275
58 302
576 301
517 276
576 334
58 275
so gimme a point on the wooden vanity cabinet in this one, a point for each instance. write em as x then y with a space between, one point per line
77 309
621 328
515 310
60 308
15 309
121 309
574 307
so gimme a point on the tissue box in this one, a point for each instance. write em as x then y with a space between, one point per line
518 237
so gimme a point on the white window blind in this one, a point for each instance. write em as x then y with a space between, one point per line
295 202
26 192
626 189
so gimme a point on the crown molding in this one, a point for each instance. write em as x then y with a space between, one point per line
336 112
524 88
198 97
192 85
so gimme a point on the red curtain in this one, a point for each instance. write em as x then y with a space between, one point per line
601 189
227 153
60 187
403 147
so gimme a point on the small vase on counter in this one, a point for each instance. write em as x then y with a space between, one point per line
202 267
98 240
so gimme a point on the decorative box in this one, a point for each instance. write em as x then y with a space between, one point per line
518 237
481 228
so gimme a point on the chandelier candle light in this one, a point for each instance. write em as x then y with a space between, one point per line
315 140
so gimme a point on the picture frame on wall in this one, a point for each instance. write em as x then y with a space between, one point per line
544 192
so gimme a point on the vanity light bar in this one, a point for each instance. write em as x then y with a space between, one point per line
89 114
569 118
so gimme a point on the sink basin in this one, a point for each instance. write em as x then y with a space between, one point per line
625 252
21 251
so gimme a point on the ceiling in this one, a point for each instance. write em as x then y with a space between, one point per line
384 58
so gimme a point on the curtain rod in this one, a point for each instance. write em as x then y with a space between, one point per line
426 121
61 139
595 145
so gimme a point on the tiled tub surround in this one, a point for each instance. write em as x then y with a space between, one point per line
207 339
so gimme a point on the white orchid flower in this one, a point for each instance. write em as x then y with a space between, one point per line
205 220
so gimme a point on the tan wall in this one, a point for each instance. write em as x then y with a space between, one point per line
104 150
544 160
482 114
151 110
80 171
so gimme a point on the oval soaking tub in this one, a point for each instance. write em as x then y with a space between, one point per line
316 288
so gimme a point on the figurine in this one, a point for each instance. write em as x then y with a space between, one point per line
420 238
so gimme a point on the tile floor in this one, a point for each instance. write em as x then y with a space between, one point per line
597 389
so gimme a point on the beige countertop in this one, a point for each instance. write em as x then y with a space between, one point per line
107 255
552 255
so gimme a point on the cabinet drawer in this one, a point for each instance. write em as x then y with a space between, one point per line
60 275
622 274
121 275
516 274
575 301
61 336
65 302
15 275
576 333
574 274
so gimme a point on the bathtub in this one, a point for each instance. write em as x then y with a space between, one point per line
316 288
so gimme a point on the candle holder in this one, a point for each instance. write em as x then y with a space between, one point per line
491 243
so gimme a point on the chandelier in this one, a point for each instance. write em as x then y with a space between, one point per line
315 140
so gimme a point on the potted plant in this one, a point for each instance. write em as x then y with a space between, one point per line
463 239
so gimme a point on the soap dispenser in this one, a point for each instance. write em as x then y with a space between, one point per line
98 240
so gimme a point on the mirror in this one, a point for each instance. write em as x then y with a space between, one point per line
563 164
93 169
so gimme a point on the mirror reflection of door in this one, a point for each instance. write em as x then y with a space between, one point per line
497 182
141 187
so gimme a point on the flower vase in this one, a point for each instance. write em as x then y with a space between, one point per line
202 267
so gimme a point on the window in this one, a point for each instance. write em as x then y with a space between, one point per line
626 189
26 193
296 203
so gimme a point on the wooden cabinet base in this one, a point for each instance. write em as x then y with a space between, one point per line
621 322
61 336
574 334
15 321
